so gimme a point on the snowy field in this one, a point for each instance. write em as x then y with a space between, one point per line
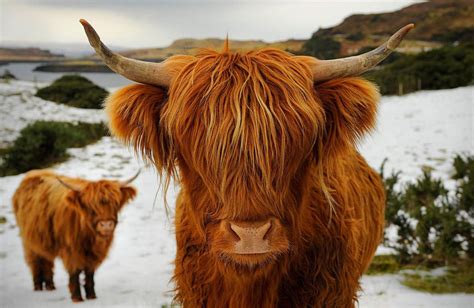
421 129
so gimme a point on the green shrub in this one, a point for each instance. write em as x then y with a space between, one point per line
443 68
430 223
460 35
321 47
355 36
7 75
43 143
74 91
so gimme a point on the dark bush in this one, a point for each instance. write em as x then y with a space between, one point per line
7 75
74 91
322 47
443 68
43 143
460 35
432 226
355 36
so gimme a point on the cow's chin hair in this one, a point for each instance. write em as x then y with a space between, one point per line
249 263
105 236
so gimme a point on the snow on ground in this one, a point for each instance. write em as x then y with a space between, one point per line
19 107
424 128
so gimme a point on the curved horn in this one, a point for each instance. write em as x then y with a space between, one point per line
352 66
130 180
139 71
67 185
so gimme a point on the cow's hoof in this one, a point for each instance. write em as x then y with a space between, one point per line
91 296
50 287
77 299
38 287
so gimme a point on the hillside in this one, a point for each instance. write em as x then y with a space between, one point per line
27 54
437 22
187 46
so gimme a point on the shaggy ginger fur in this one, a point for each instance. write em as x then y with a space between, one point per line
55 221
250 137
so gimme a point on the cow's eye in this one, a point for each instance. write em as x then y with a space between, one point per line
104 201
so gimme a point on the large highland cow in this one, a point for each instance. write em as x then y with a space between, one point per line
277 208
70 218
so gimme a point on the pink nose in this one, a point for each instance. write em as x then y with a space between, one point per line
107 225
253 237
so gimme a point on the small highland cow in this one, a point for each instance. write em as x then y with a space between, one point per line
71 218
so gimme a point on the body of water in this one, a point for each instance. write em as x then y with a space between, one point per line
25 71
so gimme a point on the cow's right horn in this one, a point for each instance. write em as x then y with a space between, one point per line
353 66
130 180
71 187
136 70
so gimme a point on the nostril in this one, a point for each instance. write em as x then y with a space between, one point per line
251 232
232 232
264 230
269 231
110 225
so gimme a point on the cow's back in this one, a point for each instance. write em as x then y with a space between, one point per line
33 204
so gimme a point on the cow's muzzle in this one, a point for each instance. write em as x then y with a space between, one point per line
251 241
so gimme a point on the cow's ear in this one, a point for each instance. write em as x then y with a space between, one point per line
350 106
128 193
134 117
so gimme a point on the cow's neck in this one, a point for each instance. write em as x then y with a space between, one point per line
248 292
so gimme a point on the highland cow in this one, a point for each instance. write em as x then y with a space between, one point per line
277 208
70 218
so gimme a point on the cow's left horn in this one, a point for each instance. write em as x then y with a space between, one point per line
353 66
71 187
130 180
139 71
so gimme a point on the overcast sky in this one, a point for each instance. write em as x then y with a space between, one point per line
147 23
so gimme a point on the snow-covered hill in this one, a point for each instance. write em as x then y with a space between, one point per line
424 128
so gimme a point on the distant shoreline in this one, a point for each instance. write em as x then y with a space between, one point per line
79 66
43 61
76 68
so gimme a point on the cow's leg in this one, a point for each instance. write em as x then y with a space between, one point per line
37 271
75 286
35 263
48 273
90 291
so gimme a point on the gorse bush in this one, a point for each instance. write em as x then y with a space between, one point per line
321 47
7 75
74 91
443 68
43 143
432 225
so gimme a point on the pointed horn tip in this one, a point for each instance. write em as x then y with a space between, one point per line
92 35
130 180
406 29
84 22
67 185
397 38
